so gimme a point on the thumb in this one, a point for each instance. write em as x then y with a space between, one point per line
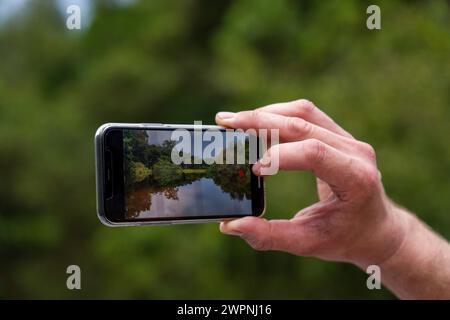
262 234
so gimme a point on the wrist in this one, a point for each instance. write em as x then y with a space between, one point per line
418 269
385 238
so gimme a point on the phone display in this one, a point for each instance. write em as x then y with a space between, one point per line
154 174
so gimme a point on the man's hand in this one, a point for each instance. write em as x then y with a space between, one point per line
354 220
353 214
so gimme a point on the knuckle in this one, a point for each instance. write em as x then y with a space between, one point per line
369 179
254 116
322 231
259 244
299 127
367 150
262 241
305 106
372 178
316 151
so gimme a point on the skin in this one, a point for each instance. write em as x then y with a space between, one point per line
354 220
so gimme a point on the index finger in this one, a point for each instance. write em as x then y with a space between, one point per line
306 110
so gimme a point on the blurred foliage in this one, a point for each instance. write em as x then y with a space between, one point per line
180 61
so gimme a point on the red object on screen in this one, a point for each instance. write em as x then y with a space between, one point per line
241 173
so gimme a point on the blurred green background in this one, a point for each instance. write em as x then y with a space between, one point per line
180 61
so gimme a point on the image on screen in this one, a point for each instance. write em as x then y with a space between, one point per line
155 187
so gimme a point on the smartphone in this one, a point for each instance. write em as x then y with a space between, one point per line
165 174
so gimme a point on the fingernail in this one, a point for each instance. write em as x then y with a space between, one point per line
230 227
225 115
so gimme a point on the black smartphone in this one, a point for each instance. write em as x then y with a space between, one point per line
166 173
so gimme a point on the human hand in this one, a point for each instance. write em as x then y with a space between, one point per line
353 221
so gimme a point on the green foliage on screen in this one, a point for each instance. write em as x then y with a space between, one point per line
139 171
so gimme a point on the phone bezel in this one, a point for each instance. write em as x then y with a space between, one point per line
258 190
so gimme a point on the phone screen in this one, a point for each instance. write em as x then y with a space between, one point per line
171 176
